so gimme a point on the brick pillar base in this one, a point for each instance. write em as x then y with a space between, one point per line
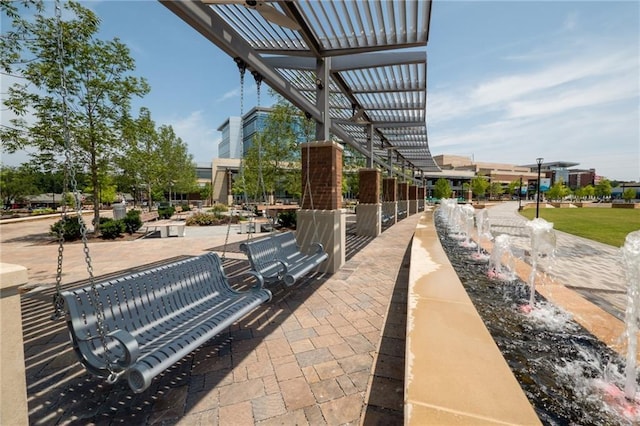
369 220
390 212
330 231
13 388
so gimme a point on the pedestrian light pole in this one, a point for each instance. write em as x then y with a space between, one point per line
520 195
539 161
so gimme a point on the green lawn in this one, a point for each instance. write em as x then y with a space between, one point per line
607 225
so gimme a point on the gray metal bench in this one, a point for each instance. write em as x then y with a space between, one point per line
154 318
278 257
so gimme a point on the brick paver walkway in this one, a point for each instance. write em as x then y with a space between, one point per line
327 351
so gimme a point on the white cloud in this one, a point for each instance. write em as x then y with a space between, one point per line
568 104
199 135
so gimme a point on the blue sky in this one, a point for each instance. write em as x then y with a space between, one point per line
508 81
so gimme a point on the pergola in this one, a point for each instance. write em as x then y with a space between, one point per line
358 68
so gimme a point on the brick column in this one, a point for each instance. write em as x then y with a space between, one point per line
421 193
369 209
325 175
322 222
389 200
403 197
413 199
389 189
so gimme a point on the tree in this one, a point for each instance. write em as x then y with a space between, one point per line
495 190
479 186
603 188
514 187
176 167
272 163
16 183
98 92
442 189
206 192
558 191
629 194
140 161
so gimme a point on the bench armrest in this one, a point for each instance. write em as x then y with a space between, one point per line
258 277
319 248
129 346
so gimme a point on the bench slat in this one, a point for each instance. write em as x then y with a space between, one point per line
164 313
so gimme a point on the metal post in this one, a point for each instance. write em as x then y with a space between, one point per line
539 161
520 195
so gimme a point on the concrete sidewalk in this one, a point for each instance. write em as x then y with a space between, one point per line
329 350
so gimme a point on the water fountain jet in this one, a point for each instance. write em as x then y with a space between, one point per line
543 244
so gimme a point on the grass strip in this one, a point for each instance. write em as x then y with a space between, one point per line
606 225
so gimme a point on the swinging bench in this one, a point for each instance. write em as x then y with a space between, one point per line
141 324
277 257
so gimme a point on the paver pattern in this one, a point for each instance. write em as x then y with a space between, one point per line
329 350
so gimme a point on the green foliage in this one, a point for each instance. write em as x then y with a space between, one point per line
514 187
219 208
132 221
15 184
272 163
288 218
165 212
208 219
98 84
69 227
603 188
558 191
112 229
206 191
38 212
442 189
608 226
479 186
495 189
629 194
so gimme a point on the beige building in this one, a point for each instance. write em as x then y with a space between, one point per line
495 172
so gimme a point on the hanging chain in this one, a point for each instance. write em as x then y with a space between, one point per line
307 185
69 175
242 67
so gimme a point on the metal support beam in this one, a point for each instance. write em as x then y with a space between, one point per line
369 131
323 81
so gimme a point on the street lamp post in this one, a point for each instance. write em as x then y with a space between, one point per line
539 161
520 195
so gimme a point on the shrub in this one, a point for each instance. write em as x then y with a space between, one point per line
288 219
165 212
208 219
46 210
185 207
70 228
219 208
132 221
111 229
